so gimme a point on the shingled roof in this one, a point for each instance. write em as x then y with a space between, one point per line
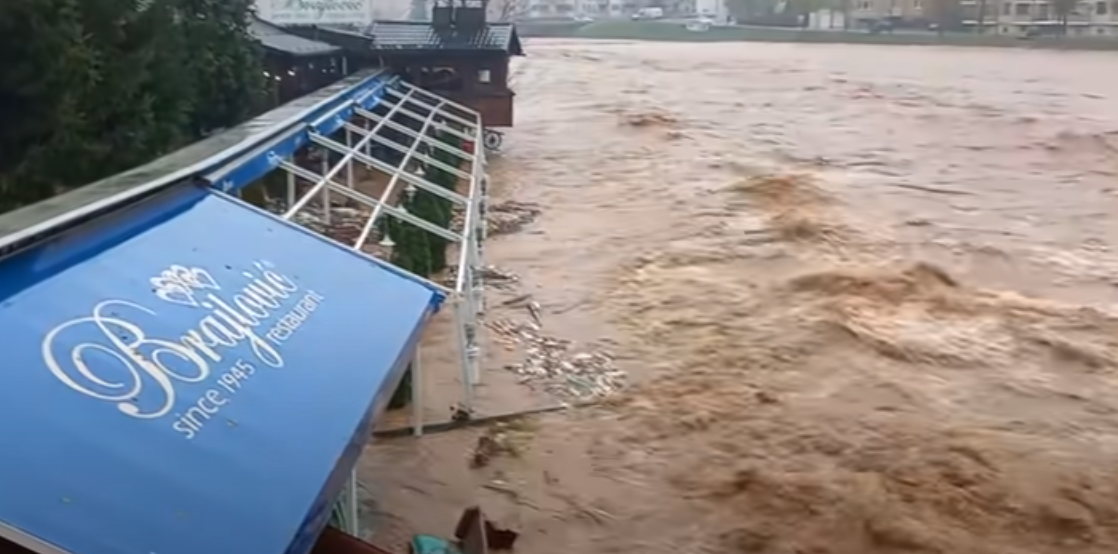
421 35
277 39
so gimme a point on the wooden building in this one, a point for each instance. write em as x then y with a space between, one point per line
296 66
468 63
458 54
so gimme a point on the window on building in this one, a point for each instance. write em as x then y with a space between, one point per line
1044 12
1101 8
1021 9
1007 8
864 5
484 76
918 4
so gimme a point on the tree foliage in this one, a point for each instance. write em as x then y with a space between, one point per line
223 60
89 88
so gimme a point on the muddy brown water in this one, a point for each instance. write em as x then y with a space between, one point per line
867 297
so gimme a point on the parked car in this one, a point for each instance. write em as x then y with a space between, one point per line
649 13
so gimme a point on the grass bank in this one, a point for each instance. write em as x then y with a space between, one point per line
664 31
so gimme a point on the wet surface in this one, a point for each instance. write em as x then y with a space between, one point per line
867 297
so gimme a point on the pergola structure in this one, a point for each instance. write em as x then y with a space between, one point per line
351 132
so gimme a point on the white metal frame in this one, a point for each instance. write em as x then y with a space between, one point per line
465 296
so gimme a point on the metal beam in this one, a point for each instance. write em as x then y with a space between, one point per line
467 156
435 99
318 186
399 107
458 106
473 127
400 171
371 202
399 147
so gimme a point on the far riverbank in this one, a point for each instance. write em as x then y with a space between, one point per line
676 32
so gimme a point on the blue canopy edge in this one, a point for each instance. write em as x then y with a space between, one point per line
234 364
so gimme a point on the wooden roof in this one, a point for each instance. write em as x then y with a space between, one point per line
422 35
276 39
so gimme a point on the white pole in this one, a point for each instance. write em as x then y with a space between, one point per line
349 164
416 394
326 190
472 293
290 189
463 353
351 507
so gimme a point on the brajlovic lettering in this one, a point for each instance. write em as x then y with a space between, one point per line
324 5
262 314
315 9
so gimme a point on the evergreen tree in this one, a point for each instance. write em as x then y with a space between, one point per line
47 70
223 61
417 250
89 88
139 104
411 253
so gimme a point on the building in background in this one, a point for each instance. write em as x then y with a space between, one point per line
1092 18
595 9
901 13
714 9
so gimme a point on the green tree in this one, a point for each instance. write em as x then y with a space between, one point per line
140 102
223 61
47 69
434 208
411 253
76 92
89 88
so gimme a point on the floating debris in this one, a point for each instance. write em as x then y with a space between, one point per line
534 311
498 278
549 363
501 439
493 276
502 218
511 216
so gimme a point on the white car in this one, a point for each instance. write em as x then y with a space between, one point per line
699 25
649 13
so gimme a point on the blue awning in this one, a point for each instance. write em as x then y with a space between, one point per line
191 375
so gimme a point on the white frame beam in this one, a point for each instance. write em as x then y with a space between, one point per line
433 113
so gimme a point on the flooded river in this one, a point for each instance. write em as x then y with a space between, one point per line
868 297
